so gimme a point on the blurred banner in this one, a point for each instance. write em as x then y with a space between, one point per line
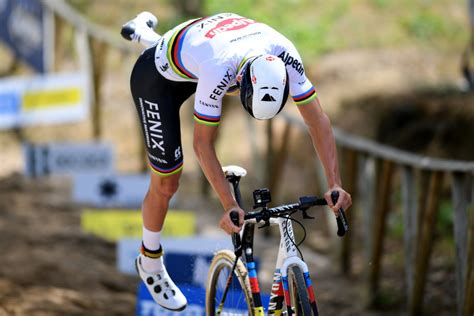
115 224
68 158
112 190
196 297
27 28
187 261
48 99
187 258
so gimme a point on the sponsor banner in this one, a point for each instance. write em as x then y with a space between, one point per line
111 190
114 224
28 30
196 297
46 99
68 158
187 259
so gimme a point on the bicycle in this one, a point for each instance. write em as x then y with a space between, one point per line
291 281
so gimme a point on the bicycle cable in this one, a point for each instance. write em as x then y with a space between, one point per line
288 218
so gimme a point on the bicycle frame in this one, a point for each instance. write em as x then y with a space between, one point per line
287 256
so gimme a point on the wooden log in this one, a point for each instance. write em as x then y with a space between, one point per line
380 217
426 236
410 221
461 195
349 182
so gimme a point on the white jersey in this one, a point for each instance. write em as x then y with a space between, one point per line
211 51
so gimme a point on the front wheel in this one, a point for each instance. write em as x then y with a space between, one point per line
298 292
239 296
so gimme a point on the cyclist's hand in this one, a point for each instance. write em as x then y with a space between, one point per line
344 201
226 223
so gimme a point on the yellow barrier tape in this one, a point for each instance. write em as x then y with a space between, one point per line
116 224
51 98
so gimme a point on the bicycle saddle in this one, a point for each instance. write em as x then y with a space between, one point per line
235 171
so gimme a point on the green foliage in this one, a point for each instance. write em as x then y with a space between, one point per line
444 224
424 25
381 3
318 27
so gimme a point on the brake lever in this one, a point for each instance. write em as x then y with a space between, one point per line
265 217
305 214
265 224
234 217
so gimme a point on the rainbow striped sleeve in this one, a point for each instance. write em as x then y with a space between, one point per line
305 97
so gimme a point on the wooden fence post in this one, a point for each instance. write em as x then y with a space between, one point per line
468 309
269 153
426 235
269 162
279 161
380 216
86 64
463 215
410 221
59 26
99 53
350 181
366 191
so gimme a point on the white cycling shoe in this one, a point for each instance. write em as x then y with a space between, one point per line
140 29
163 290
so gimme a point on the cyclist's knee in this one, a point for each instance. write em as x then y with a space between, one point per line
164 187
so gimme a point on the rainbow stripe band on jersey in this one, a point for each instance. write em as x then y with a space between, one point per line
174 51
305 97
166 172
206 119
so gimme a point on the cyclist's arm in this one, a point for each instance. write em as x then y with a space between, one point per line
204 139
322 136
212 86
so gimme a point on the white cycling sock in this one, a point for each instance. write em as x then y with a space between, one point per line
151 241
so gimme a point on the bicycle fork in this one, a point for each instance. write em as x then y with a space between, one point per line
288 256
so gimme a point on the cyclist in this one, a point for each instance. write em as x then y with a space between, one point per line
213 56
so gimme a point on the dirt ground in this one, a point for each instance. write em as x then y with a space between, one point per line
49 266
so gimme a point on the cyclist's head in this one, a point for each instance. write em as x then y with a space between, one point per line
264 86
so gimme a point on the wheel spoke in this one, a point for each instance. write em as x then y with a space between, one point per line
236 297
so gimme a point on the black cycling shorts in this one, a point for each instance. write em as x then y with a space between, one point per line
158 101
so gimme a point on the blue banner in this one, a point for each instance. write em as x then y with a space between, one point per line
22 25
196 297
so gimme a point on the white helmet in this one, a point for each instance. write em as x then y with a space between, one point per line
264 86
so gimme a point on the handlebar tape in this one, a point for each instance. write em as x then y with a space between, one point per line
342 225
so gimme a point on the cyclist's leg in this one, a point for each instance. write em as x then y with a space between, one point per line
158 101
